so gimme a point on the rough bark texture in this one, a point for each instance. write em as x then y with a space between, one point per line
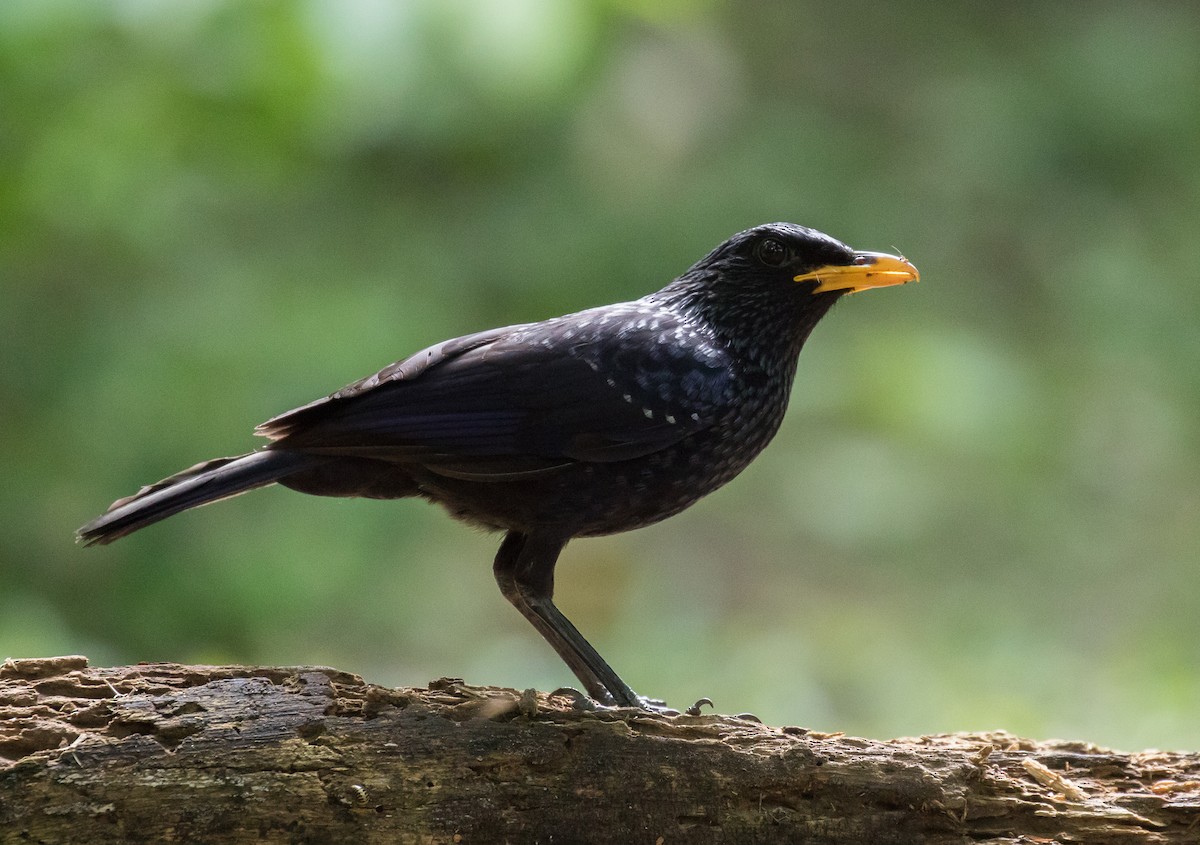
170 753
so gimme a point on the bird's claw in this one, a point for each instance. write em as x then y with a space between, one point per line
647 703
584 702
579 700
656 706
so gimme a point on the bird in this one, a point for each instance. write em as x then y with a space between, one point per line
593 423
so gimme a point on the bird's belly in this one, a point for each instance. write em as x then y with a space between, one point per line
593 498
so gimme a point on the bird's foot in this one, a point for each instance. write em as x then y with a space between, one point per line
661 707
579 700
583 701
655 704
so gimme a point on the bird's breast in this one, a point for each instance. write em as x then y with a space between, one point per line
598 497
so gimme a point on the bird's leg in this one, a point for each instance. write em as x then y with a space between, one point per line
524 569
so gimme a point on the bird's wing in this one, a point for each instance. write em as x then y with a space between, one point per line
407 369
595 386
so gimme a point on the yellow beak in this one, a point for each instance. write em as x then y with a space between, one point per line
869 270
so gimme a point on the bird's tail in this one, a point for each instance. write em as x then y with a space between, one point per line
203 483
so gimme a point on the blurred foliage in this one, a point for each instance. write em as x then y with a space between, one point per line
982 510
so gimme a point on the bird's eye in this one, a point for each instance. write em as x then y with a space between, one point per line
771 252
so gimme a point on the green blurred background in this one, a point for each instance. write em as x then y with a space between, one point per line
982 511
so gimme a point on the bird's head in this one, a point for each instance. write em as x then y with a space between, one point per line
767 287
794 258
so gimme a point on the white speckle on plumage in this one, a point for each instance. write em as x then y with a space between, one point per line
649 414
627 397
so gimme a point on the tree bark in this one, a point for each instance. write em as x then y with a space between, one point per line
172 753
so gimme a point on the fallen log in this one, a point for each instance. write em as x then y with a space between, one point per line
168 752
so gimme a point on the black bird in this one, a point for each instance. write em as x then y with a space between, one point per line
592 423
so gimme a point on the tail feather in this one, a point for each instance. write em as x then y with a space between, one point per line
210 481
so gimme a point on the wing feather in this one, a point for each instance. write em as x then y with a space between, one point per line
525 399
